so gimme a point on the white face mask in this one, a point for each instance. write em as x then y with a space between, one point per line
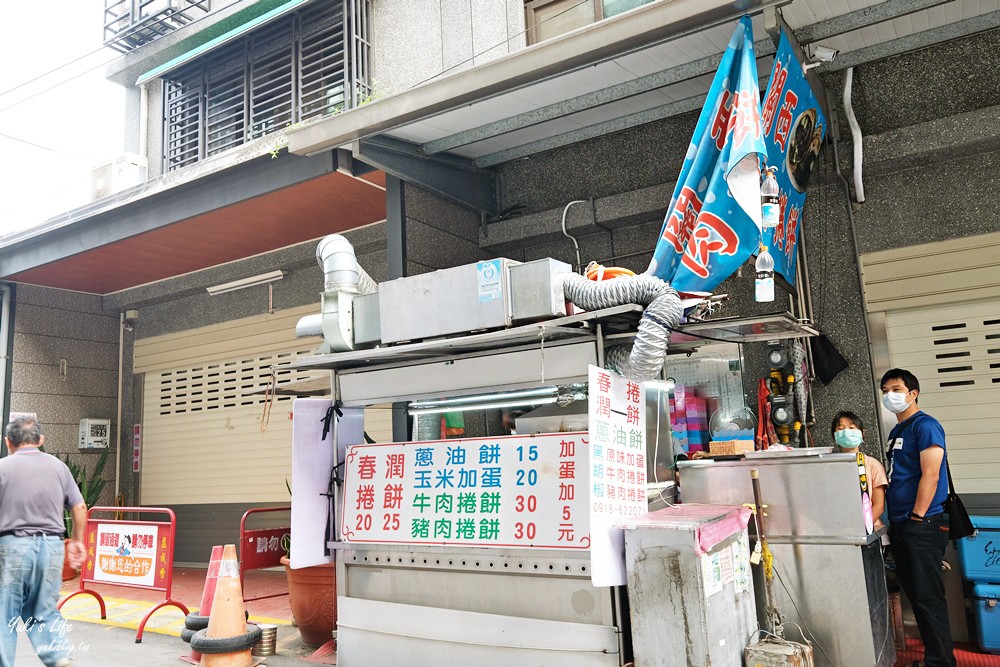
895 401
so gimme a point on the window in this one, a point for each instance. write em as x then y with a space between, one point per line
545 19
291 70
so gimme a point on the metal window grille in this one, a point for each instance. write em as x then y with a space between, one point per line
310 64
128 24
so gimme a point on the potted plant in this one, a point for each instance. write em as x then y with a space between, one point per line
312 597
90 488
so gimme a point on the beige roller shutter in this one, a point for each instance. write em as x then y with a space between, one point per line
955 352
933 273
202 436
940 306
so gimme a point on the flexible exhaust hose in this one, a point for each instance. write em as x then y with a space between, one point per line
643 360
341 271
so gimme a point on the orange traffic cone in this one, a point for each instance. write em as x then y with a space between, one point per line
196 621
226 642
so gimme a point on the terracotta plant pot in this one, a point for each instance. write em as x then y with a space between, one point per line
68 572
312 595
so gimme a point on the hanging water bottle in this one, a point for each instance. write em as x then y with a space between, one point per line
765 275
769 208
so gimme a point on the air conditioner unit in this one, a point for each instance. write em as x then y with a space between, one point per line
124 172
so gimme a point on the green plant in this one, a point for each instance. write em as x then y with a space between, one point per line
90 485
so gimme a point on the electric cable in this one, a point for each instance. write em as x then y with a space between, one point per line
53 71
46 148
801 617
71 62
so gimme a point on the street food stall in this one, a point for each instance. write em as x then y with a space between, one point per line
487 545
527 536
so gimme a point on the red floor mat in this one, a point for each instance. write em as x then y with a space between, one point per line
965 656
327 654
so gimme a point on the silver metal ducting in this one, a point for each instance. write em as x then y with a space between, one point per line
310 325
341 271
343 279
644 359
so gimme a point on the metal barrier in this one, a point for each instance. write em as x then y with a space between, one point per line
261 548
134 554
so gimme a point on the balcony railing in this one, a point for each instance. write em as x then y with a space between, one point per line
128 24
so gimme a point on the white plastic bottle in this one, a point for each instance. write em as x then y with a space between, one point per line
765 275
769 208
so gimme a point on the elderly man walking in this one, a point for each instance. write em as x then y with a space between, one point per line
35 487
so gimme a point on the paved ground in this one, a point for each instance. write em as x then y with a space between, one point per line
102 645
111 642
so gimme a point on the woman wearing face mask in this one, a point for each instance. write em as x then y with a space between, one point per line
848 432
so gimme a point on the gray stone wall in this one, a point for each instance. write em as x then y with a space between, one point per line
50 325
931 150
439 233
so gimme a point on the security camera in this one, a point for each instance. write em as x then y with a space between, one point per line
820 55
824 54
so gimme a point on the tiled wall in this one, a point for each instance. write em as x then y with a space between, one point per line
50 325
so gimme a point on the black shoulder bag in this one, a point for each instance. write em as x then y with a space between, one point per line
959 523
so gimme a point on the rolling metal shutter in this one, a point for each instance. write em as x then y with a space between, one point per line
935 310
202 438
955 352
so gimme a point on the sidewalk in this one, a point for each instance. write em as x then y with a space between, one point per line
127 606
101 642
101 645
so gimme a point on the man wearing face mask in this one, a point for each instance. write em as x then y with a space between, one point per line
918 486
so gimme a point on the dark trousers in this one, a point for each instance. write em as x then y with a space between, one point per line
919 548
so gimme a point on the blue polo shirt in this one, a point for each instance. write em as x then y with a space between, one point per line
906 440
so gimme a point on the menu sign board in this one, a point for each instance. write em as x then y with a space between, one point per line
517 491
617 468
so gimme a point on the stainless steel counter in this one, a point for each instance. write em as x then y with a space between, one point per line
829 573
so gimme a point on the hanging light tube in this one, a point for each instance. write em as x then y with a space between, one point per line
486 398
541 400
243 283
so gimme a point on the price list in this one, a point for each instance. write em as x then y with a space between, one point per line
518 491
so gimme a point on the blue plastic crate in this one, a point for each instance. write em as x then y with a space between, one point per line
986 610
980 554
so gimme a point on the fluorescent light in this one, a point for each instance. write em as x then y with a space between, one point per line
486 398
541 400
243 283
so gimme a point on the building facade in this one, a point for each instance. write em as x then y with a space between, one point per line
263 126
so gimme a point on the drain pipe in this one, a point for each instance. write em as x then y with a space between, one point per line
143 127
579 263
5 335
118 429
852 122
876 390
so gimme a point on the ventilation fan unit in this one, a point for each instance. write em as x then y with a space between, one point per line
126 171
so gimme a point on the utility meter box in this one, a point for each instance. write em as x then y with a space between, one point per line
94 433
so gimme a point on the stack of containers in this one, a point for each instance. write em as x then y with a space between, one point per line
689 419
980 556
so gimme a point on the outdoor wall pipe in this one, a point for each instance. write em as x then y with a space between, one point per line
143 126
341 271
644 359
877 391
118 423
4 344
852 122
576 245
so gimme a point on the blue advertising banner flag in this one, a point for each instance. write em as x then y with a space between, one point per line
794 127
713 221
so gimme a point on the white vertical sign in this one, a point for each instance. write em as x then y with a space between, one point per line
617 426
